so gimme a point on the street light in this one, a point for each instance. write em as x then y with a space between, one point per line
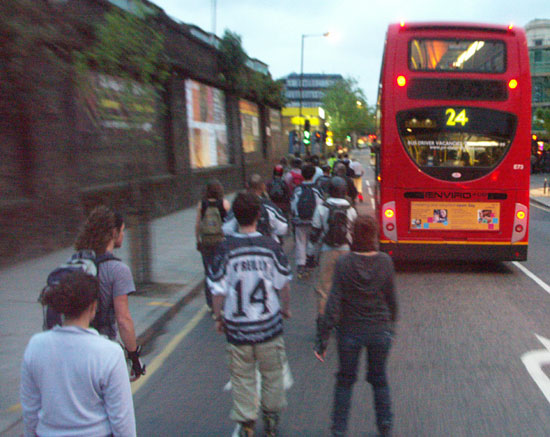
302 65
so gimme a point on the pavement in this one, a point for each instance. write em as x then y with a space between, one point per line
177 277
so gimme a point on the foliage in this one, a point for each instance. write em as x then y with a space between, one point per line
544 116
232 61
347 110
243 80
128 46
265 89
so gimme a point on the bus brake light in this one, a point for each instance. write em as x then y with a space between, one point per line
389 213
401 81
513 84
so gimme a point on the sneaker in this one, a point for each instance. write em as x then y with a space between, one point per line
271 424
243 429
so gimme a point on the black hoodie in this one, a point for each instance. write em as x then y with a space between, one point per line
362 297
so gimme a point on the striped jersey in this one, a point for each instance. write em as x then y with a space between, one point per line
249 269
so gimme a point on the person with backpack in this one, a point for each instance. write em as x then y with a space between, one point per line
294 177
103 232
362 305
331 225
278 191
323 182
341 170
305 200
73 380
272 221
211 213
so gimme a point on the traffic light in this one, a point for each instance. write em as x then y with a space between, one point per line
317 137
307 134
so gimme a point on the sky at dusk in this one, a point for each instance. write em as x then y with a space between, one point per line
271 30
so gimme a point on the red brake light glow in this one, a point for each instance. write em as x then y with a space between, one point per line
513 84
401 81
389 213
520 215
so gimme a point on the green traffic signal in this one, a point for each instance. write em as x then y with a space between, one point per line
307 137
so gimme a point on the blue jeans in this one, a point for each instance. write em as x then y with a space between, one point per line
207 253
377 344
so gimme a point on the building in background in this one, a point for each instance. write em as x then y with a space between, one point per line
538 41
310 91
313 88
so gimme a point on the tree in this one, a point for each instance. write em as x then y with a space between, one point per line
544 116
347 110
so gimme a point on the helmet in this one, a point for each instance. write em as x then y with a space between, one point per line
338 187
278 170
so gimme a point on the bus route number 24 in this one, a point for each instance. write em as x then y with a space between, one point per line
454 118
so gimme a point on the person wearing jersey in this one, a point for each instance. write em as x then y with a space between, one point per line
272 221
248 276
305 200
321 231
213 198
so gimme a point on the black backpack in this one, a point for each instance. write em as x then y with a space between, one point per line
278 191
337 233
306 202
264 226
85 261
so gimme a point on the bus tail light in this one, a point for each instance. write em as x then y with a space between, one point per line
389 227
513 84
520 223
401 81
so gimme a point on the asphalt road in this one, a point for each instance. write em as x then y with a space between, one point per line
455 369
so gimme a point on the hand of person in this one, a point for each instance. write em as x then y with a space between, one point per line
199 246
138 368
220 325
320 355
287 314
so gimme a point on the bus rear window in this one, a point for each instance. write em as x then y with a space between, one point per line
459 55
449 138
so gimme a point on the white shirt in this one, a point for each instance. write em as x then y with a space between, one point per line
357 168
320 220
75 382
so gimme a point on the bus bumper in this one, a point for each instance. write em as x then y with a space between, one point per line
454 252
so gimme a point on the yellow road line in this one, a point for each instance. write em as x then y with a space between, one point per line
160 304
14 408
167 351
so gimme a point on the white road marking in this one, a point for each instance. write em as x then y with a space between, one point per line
541 207
370 191
534 277
534 361
368 183
372 203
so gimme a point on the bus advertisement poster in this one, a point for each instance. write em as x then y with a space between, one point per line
483 216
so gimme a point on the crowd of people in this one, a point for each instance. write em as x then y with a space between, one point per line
247 289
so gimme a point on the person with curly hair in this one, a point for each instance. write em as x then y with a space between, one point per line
74 381
103 232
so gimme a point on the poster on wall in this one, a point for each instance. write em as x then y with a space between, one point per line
275 122
118 121
250 126
478 216
208 144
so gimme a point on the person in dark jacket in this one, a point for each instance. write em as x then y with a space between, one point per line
340 169
363 306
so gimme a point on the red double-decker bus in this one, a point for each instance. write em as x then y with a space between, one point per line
453 164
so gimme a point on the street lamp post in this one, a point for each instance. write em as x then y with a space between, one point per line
302 72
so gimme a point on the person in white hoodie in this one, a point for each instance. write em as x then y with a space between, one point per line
74 381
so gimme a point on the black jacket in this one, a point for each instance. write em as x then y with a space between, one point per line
362 296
